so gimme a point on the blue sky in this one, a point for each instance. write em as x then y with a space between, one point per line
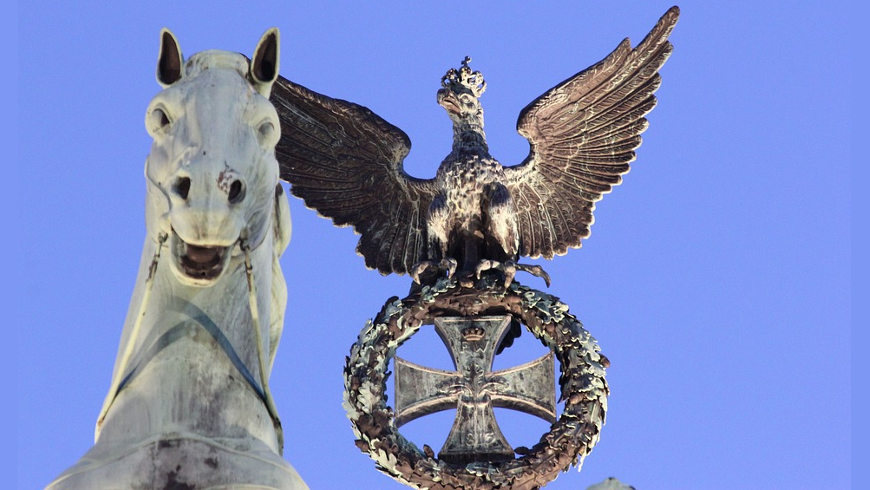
716 279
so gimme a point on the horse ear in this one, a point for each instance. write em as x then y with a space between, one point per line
169 60
264 65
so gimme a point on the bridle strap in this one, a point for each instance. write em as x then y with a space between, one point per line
181 329
134 334
187 328
261 358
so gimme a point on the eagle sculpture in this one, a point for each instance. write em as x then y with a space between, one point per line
475 215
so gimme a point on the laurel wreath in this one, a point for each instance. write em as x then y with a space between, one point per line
583 387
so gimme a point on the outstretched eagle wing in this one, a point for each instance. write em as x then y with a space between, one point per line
346 163
583 133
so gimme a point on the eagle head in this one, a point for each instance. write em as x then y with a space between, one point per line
460 94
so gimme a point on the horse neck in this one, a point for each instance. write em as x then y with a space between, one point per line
187 339
226 303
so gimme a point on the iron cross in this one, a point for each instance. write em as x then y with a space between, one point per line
474 389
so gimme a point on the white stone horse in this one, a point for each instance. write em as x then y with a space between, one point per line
189 404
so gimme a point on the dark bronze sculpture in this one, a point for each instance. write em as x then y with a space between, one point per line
473 221
346 162
474 389
472 456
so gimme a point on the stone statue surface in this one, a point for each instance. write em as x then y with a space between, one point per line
189 404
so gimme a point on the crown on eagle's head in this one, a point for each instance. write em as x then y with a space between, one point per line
463 79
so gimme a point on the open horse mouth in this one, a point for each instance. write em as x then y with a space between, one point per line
202 264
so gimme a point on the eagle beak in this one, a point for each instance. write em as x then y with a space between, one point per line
448 101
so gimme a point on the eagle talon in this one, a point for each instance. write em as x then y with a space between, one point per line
536 271
485 265
449 265
510 271
508 268
419 268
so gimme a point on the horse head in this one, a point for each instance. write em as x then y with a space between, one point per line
212 175
191 380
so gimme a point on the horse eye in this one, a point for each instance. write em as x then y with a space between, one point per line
158 119
266 132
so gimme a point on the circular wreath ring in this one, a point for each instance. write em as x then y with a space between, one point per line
582 383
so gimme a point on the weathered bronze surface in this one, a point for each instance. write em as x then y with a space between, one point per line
582 384
474 389
475 214
460 235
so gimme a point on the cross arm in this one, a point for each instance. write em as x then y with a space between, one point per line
528 388
423 390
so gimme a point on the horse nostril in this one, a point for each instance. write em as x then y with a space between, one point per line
182 187
237 192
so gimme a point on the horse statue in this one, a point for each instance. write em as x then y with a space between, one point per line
189 404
